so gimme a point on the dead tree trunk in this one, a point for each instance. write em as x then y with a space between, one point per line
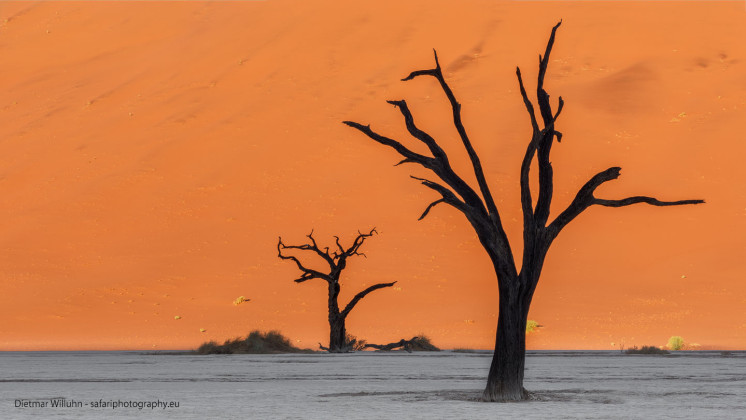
505 379
337 330
337 261
506 371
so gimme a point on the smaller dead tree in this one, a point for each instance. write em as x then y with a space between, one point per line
337 261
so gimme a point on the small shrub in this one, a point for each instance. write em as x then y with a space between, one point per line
531 326
211 347
645 350
675 343
422 343
256 342
353 344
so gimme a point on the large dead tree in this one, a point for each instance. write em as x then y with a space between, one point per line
516 287
337 261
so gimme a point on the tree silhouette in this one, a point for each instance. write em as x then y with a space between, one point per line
337 261
505 379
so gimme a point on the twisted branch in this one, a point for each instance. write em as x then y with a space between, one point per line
585 198
308 273
361 295
456 111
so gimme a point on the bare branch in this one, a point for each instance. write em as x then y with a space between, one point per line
406 160
313 247
642 199
482 225
546 177
456 110
408 154
439 164
361 295
448 196
545 60
309 276
541 141
431 72
585 199
308 273
323 254
543 97
433 204
358 242
437 152
341 248
414 74
526 200
526 101
544 147
559 111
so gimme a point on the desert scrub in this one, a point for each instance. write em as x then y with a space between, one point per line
257 342
645 350
353 343
531 326
422 343
675 343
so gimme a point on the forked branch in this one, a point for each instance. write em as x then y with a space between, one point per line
435 149
308 273
456 111
438 164
540 146
480 210
358 242
400 148
448 197
585 198
335 260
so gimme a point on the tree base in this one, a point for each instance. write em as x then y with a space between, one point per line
503 394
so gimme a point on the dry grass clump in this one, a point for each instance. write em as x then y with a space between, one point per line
353 343
257 342
422 343
645 350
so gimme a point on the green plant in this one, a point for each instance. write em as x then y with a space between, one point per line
531 326
675 343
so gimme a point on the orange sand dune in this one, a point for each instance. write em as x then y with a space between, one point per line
152 152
